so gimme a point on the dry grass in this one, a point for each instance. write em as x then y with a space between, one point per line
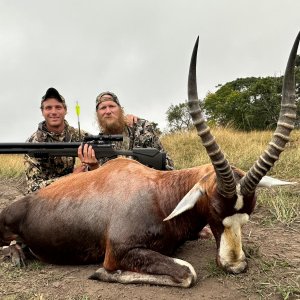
240 148
273 272
11 166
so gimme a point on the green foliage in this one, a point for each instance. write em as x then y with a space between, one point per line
156 128
246 103
178 117
251 103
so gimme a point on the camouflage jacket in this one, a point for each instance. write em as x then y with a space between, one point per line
142 135
40 172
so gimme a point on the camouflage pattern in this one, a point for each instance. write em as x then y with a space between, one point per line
40 172
114 98
143 135
53 93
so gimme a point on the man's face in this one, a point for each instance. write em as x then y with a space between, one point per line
110 116
54 113
108 111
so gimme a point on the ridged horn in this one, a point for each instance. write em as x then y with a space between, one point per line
225 179
285 125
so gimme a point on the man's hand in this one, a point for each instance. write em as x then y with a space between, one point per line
87 156
131 120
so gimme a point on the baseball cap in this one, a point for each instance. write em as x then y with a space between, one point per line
100 98
53 93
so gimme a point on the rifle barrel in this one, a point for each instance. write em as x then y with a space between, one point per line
12 146
147 156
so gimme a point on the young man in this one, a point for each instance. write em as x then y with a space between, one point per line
111 120
40 172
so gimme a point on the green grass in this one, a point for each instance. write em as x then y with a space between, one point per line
214 270
283 204
269 285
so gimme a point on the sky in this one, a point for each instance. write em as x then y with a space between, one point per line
138 49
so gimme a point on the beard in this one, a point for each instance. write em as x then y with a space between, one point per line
112 126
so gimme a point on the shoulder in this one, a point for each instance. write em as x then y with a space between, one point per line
145 124
31 138
75 134
144 128
38 136
71 129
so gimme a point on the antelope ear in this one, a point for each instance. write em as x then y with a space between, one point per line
268 181
187 202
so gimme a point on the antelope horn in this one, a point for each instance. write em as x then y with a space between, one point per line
225 178
285 125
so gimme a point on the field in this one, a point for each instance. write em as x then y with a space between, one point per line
271 239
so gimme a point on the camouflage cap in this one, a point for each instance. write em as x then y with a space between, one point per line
53 93
100 98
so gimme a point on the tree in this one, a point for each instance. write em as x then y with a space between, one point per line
178 117
250 103
156 128
245 103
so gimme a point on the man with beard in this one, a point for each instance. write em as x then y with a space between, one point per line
111 120
41 172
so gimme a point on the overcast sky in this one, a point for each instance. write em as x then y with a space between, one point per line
136 48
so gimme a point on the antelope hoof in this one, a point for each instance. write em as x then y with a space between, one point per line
15 254
205 233
236 267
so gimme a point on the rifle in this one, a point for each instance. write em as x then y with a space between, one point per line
102 145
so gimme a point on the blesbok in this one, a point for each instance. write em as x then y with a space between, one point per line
133 217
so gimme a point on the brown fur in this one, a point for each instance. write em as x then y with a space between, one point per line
113 212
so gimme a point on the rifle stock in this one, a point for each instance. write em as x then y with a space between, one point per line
147 156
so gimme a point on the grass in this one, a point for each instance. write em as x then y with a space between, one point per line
214 270
262 276
270 276
241 149
11 166
270 285
25 296
282 203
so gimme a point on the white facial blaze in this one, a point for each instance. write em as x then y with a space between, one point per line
231 254
240 199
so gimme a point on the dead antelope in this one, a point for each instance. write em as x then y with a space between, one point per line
133 217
